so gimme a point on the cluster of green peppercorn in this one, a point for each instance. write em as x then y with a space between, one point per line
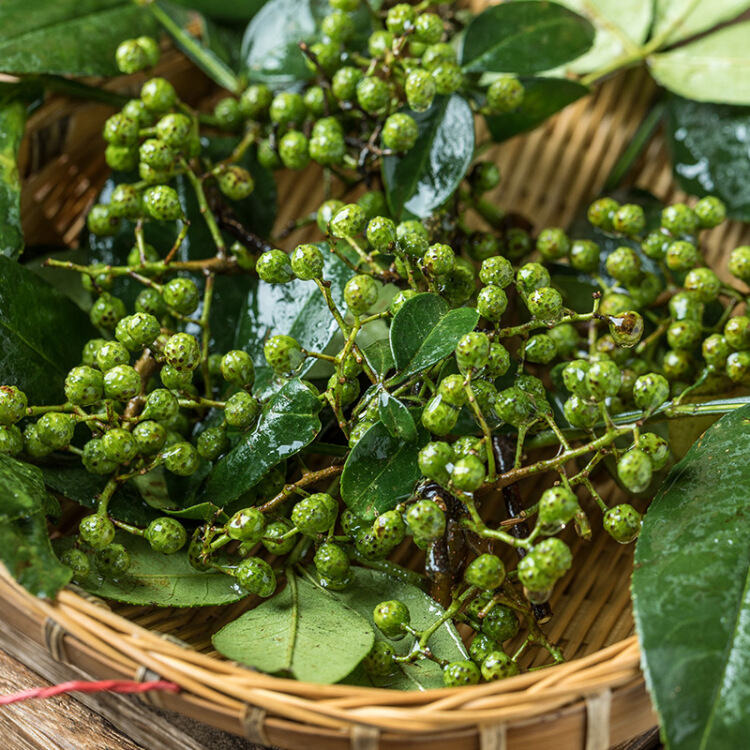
150 396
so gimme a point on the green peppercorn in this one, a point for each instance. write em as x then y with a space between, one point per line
681 255
166 535
629 219
282 353
181 458
150 437
505 94
623 523
486 571
635 470
241 410
182 351
257 576
97 531
238 369
360 294
679 219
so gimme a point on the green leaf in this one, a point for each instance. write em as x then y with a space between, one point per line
619 25
368 589
543 97
200 512
679 19
75 483
26 551
690 592
715 68
21 489
237 10
160 580
287 424
380 471
304 631
709 144
297 309
524 37
396 417
430 172
68 38
424 331
42 334
379 357
12 121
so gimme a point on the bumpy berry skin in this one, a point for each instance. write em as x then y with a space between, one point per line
540 349
238 369
629 219
181 458
348 221
97 531
174 130
553 243
119 445
11 440
624 265
381 234
158 95
626 328
400 132
532 276
420 90
710 211
623 523
241 410
183 352
107 311
656 448
379 661
344 83
584 255
294 150
468 474
150 437
737 367
273 267
156 154
282 353
681 255
679 219
247 525
448 78
650 391
472 351
390 617
138 331
715 350
166 535
13 404
400 19
113 560
737 332
451 390
236 182
332 562
131 57
505 94
439 259
603 380
94 459
315 514
32 445
581 413
211 443
557 506
486 571
602 212
685 335
461 674
575 377
162 203
433 461
635 470
373 95
497 665
739 263
426 520
272 542
84 386
360 294
257 576
704 283
120 130
255 101
545 303
161 405
78 562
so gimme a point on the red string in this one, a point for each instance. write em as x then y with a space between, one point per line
114 686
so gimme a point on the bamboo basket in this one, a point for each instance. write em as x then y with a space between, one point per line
595 700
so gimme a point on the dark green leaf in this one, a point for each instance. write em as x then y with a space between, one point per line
160 580
199 512
297 309
714 68
12 121
396 417
690 592
21 489
368 589
424 331
237 10
304 631
42 334
709 144
380 472
543 97
68 38
379 357
524 37
288 423
427 176
26 551
76 483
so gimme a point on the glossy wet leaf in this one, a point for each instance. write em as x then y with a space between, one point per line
159 580
618 23
12 121
26 552
524 37
297 309
21 489
396 417
680 19
425 330
68 38
428 174
690 591
543 97
380 472
42 333
200 512
715 68
709 144
75 483
288 423
304 631
379 357
369 588
237 10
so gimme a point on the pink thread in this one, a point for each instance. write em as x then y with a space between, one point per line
114 686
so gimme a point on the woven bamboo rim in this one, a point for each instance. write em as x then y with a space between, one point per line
595 700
